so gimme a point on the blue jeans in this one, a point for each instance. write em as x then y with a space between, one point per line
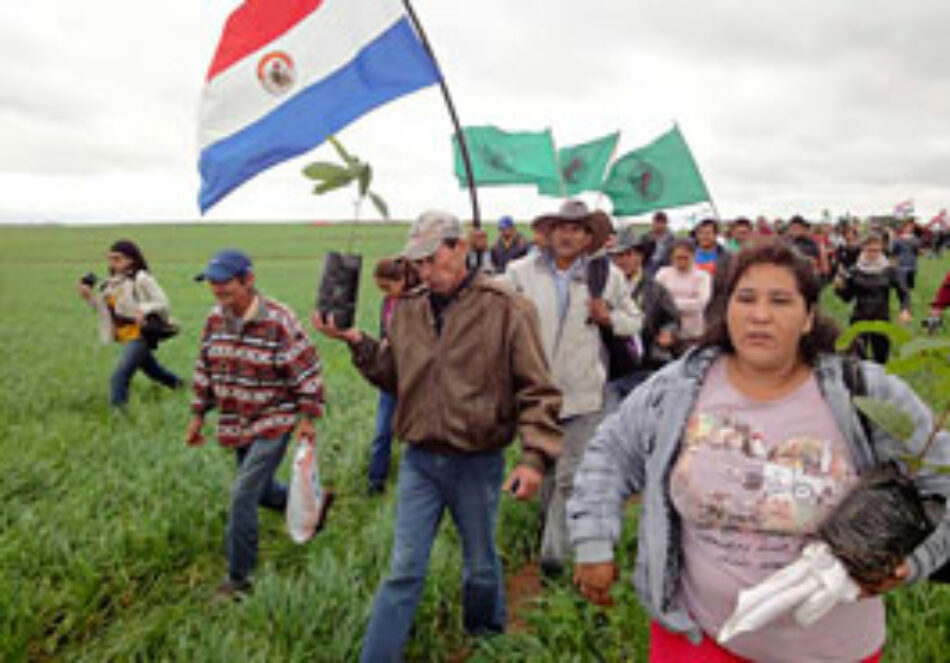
253 485
429 483
137 355
381 450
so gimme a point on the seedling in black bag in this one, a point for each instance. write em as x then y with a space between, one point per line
885 517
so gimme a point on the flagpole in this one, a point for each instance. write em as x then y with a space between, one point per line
712 203
459 134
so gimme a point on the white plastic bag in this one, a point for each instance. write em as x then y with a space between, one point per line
811 585
307 501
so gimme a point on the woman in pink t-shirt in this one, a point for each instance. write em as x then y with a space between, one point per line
739 450
690 287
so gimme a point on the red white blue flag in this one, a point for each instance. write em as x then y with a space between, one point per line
904 209
288 73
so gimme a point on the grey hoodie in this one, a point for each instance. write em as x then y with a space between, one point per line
634 449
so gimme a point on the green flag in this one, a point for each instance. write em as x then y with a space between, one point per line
499 157
582 167
656 176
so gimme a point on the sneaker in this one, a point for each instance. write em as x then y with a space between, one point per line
551 569
375 489
326 501
232 590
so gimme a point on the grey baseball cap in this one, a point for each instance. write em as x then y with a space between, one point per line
428 232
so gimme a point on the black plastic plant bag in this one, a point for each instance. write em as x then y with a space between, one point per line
877 525
339 287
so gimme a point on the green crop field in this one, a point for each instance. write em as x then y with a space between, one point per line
111 528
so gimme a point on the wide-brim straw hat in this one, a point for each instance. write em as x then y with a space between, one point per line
576 211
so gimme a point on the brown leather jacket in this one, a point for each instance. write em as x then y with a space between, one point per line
472 387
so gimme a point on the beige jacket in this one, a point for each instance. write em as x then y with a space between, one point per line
132 295
572 344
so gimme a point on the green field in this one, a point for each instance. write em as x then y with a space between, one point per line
111 528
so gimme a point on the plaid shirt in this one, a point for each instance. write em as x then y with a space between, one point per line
260 373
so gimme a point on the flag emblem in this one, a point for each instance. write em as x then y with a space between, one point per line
659 175
575 170
581 167
276 72
646 180
497 159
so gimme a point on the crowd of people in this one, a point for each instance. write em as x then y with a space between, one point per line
672 367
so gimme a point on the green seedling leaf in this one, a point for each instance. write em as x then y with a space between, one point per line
331 184
887 416
365 177
380 205
897 335
348 158
323 170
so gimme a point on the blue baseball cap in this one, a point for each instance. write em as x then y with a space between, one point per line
506 222
224 266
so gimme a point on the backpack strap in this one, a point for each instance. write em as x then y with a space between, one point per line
857 385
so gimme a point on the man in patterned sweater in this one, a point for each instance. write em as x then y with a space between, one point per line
258 367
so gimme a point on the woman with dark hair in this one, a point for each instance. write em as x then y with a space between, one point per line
690 287
123 301
869 284
740 449
392 277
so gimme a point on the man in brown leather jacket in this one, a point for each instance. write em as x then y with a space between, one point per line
465 359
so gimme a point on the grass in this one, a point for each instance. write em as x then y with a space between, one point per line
111 528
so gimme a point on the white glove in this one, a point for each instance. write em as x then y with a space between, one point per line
812 585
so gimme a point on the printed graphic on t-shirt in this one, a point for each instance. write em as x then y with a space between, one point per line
746 495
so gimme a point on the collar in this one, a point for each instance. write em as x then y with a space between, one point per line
441 301
576 267
255 311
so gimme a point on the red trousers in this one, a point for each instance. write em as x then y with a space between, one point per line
666 647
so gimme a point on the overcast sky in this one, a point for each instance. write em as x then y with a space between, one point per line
788 106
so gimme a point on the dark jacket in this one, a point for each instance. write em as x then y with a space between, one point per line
502 254
659 313
871 292
846 255
905 250
471 382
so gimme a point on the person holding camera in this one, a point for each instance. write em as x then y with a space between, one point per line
129 303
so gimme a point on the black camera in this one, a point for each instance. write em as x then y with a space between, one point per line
932 324
89 279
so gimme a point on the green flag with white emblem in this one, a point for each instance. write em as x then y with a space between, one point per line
582 167
501 157
657 176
